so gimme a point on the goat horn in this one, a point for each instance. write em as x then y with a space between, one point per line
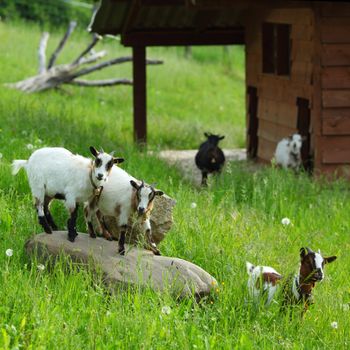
101 150
309 250
112 153
142 183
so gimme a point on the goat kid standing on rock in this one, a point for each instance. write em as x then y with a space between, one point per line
210 158
297 289
288 152
55 172
122 196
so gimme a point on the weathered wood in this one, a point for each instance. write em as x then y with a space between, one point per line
335 55
335 98
336 121
138 267
139 94
61 44
95 39
335 142
273 132
42 52
339 9
266 149
336 78
336 156
105 82
335 30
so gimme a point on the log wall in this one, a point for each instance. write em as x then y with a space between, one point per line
334 26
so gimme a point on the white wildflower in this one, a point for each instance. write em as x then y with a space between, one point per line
193 205
39 141
41 267
1 155
334 324
166 310
29 146
285 221
9 252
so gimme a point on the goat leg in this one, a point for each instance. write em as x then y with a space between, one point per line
72 231
47 213
121 242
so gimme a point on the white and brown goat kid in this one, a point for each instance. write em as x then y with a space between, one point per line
296 289
122 196
54 172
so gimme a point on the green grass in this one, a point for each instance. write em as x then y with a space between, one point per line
237 219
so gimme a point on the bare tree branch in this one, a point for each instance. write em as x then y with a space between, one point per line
91 59
94 41
107 82
112 62
60 46
42 52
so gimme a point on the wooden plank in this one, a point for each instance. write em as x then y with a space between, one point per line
335 10
266 149
335 98
302 51
303 32
336 156
335 55
336 121
302 72
283 114
139 94
335 30
291 16
184 37
333 171
335 142
335 78
273 132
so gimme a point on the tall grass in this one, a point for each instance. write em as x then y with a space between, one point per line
237 219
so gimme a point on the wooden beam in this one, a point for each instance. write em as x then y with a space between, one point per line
184 37
139 94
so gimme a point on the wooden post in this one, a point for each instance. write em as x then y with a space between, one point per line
139 93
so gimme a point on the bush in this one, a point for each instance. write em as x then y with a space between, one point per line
51 13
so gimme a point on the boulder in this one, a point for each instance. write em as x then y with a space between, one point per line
161 222
138 267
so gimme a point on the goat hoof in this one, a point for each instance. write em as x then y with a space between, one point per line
93 235
121 251
49 232
71 238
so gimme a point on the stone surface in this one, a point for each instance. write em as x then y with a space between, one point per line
138 267
161 222
184 160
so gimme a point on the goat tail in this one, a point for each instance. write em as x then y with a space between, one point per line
17 165
250 267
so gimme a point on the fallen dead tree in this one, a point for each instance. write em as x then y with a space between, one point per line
51 76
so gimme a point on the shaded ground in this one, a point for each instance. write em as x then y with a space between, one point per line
184 160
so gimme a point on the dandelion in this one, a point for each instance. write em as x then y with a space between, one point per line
166 310
334 325
29 146
9 252
193 205
285 221
41 267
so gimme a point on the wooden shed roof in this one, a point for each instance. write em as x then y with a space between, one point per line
171 22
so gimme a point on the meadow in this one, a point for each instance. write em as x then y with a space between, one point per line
237 218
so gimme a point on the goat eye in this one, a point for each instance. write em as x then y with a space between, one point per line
109 165
98 162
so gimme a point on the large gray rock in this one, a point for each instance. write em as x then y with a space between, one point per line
138 267
161 222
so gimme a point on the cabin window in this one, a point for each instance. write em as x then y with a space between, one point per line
276 45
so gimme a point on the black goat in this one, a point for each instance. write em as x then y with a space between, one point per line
210 158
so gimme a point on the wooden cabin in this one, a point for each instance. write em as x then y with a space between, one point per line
297 65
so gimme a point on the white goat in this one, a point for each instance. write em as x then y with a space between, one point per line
55 172
288 152
122 196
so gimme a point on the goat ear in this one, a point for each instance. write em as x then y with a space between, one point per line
250 267
206 134
221 137
118 160
93 151
134 184
303 252
158 193
329 259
